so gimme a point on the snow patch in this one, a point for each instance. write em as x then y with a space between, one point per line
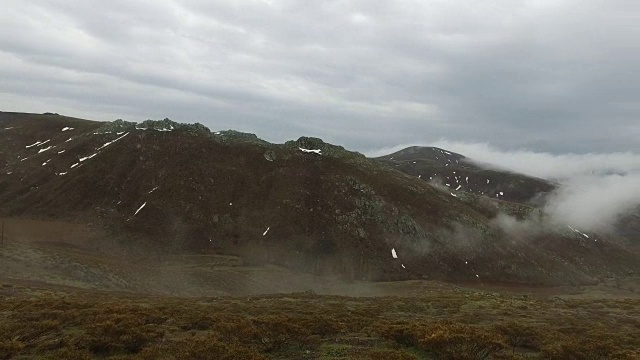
87 157
140 208
266 231
37 143
45 163
393 253
318 151
66 128
45 149
111 142
579 232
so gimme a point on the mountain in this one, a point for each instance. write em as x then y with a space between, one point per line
165 187
460 173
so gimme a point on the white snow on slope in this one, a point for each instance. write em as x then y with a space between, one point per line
393 253
88 157
266 231
458 188
140 208
111 142
45 163
45 149
66 128
318 151
579 232
37 143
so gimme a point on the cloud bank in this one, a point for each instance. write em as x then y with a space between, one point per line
595 189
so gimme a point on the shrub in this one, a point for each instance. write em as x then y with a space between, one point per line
458 341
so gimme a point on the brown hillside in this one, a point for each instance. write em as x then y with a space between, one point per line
181 189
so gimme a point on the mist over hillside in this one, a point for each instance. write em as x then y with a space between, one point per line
594 191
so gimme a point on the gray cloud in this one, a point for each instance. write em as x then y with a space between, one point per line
556 76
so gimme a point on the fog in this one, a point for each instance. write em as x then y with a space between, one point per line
595 189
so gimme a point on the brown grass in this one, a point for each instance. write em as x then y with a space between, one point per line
449 324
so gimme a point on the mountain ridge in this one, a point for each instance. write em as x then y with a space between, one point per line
305 204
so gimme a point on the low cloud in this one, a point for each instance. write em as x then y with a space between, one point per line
595 189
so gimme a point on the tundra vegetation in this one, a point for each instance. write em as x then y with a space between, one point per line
436 322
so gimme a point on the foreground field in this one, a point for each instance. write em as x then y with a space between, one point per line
76 300
438 322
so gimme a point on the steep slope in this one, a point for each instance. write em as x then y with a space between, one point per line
305 204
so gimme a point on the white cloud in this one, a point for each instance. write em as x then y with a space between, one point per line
595 189
547 165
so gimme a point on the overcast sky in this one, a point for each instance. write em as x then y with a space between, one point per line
553 76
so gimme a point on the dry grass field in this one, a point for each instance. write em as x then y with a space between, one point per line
436 321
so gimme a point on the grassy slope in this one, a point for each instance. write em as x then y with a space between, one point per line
437 322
